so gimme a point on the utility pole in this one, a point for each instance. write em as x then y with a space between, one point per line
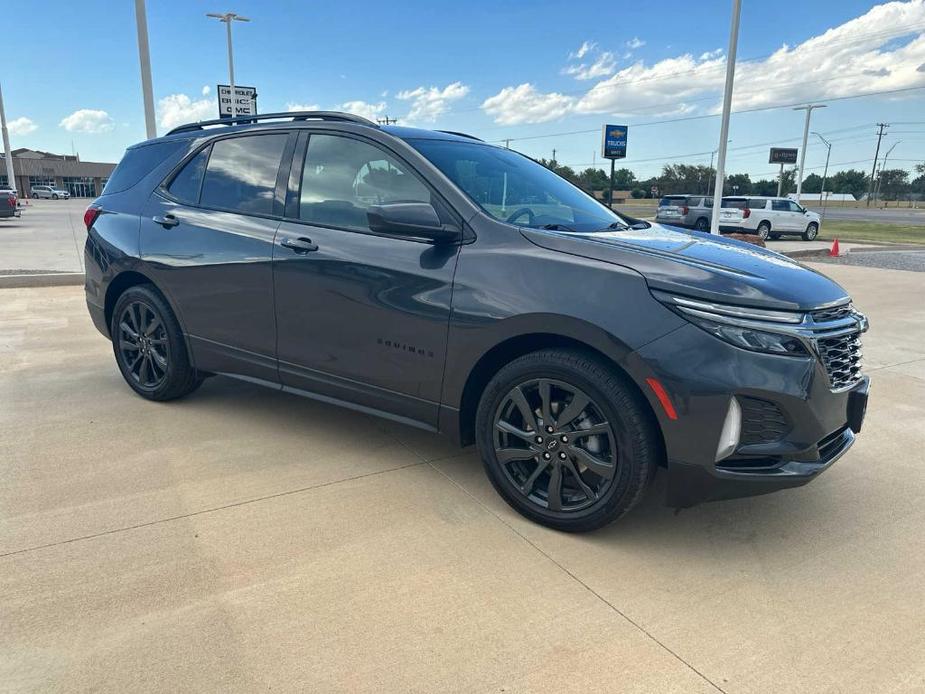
882 169
228 18
727 108
809 110
144 58
825 172
710 179
870 185
554 156
507 143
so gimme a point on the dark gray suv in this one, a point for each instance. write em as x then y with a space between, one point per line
431 278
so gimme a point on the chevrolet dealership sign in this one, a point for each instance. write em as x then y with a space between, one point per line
614 141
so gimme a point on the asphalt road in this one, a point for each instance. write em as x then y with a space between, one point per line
242 539
49 236
891 215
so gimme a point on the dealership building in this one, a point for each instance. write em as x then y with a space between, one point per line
31 167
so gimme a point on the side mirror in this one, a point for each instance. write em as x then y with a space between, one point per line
417 219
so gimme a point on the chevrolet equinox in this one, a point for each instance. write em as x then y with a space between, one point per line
439 281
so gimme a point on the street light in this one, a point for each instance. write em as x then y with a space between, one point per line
727 109
7 152
825 173
144 59
228 18
883 167
809 109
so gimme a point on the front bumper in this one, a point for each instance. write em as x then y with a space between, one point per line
700 373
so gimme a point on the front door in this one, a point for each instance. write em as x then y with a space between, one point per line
361 317
208 239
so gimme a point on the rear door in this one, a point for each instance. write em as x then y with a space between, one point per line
362 317
207 237
781 215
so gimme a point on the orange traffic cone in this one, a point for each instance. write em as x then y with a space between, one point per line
834 253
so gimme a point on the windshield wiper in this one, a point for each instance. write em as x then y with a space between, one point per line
558 227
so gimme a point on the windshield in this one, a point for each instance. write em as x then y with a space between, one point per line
515 189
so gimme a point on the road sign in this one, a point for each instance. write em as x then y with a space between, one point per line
783 155
245 101
614 141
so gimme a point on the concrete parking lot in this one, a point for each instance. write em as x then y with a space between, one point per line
243 540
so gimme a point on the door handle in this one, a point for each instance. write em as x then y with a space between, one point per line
299 245
166 221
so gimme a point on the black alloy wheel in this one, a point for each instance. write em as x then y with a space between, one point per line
702 224
142 344
555 445
566 439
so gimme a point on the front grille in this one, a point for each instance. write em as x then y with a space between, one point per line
762 422
834 313
841 357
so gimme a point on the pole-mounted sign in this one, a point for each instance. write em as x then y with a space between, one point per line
613 146
783 155
245 101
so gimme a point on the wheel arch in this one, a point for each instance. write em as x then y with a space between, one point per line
126 280
516 346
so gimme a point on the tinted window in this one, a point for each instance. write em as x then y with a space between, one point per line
794 207
185 185
780 206
757 204
342 177
695 202
241 174
138 162
737 203
668 201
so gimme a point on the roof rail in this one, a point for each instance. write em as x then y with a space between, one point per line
453 132
291 115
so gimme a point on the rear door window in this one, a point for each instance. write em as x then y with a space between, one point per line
241 174
780 205
757 204
186 184
138 162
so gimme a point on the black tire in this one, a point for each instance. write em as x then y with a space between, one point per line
702 224
774 237
812 230
764 230
631 446
142 317
54 197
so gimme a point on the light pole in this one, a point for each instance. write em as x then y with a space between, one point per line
882 169
825 172
228 18
7 152
727 108
809 109
144 58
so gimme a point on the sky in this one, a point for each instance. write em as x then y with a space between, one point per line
546 75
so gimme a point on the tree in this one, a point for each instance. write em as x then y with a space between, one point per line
764 187
593 179
850 181
893 183
812 183
740 184
638 193
684 178
623 179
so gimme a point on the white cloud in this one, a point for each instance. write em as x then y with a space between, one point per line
429 103
853 58
21 126
635 43
524 104
363 109
206 89
177 109
583 50
303 107
87 120
604 65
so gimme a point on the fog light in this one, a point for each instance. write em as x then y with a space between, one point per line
732 427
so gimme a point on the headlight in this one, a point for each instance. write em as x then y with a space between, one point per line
758 330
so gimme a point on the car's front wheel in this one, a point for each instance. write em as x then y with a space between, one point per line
149 346
566 440
811 231
54 197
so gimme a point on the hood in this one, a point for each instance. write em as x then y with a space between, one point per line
701 265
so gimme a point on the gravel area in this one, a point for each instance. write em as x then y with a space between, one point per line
913 261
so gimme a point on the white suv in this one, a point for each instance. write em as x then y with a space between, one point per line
49 192
768 217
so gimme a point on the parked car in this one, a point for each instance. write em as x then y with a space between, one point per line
692 211
49 192
8 203
459 287
768 217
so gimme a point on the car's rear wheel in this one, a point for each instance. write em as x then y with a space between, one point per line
764 230
812 230
702 224
149 346
565 440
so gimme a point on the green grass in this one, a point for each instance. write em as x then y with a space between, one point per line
872 231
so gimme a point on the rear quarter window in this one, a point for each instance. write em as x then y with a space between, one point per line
138 162
672 200
738 204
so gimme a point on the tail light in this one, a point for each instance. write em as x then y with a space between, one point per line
11 201
685 209
90 216
746 213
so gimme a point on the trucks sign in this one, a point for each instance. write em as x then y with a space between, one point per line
614 141
783 155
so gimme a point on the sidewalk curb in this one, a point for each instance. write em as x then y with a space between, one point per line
52 279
